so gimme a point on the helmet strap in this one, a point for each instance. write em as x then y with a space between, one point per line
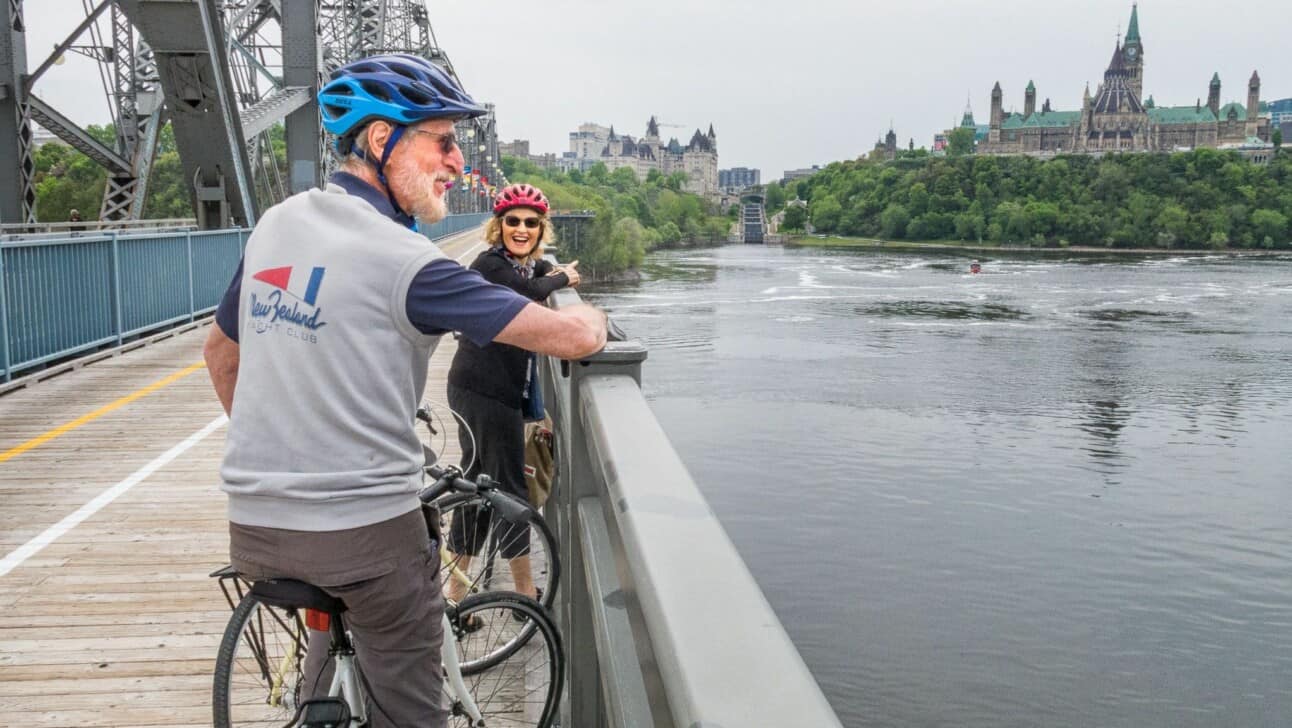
396 132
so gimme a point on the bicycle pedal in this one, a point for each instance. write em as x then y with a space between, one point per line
325 713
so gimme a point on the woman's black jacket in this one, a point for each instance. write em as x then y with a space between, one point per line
497 371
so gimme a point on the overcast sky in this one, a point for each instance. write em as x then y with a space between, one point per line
791 84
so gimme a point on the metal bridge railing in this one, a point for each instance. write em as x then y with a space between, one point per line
74 292
63 296
664 625
10 230
454 224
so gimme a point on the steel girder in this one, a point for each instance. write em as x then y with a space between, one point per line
139 115
142 115
17 191
187 40
133 100
225 75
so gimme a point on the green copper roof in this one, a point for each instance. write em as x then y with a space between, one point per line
1132 32
1031 86
1150 103
1240 108
1181 115
1215 78
1053 119
1013 121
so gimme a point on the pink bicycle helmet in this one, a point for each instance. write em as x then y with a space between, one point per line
521 195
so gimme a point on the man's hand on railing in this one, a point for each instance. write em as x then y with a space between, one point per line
573 332
595 319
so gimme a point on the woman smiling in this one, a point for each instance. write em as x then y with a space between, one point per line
487 383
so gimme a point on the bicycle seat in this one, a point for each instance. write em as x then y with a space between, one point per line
292 594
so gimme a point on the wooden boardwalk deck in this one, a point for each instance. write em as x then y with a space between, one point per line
115 622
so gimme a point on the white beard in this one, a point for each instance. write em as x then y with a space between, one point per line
419 188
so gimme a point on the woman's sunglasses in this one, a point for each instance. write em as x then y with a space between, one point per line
529 222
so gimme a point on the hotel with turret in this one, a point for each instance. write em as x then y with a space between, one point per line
698 158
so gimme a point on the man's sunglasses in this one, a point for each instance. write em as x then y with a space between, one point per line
529 222
448 140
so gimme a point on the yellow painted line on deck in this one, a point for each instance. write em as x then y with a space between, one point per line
96 414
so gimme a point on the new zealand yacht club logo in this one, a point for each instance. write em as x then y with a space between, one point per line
293 302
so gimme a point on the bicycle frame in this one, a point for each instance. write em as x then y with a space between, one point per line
347 686
345 680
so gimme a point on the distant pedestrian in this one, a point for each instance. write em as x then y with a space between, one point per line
75 217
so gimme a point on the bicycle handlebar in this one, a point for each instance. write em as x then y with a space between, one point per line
450 477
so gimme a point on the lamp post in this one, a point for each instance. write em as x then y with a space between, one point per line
469 201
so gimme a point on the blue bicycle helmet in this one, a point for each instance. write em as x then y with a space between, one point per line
399 88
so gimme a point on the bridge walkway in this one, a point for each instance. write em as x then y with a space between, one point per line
114 621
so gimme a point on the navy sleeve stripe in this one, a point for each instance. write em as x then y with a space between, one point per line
226 314
446 297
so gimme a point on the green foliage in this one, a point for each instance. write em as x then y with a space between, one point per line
774 198
631 216
1270 224
960 142
825 212
795 218
67 180
895 220
1199 199
1276 137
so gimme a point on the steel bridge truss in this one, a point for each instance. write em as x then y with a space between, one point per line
236 79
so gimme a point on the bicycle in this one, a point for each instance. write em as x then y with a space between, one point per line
260 668
452 493
496 523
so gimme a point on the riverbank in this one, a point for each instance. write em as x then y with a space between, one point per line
834 241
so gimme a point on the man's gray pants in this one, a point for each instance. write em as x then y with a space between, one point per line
388 576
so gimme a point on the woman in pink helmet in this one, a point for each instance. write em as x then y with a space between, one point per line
487 384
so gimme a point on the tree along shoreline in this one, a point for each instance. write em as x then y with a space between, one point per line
1198 200
841 242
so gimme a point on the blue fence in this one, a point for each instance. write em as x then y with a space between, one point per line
454 224
69 295
61 296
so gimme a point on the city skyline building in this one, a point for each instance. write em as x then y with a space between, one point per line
738 178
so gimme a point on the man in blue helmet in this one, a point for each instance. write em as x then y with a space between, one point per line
320 358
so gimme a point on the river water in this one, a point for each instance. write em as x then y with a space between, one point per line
1053 494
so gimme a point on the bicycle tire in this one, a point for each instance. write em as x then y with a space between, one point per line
545 559
259 668
520 685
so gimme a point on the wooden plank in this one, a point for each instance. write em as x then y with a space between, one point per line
117 622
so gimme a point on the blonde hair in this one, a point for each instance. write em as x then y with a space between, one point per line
546 235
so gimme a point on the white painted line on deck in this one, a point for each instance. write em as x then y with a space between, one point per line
32 547
470 250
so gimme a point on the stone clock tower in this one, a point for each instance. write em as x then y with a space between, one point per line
1133 49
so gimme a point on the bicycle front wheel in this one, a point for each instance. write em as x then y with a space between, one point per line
513 682
481 548
259 669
